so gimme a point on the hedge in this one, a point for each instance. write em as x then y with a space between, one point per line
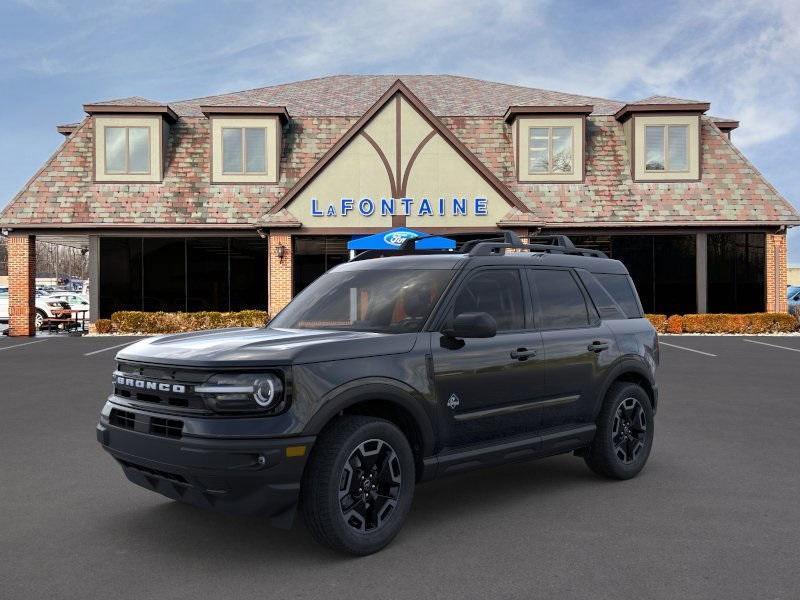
132 321
726 323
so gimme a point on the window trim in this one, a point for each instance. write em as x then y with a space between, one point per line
636 138
158 131
272 155
243 144
550 129
592 316
519 132
127 170
665 148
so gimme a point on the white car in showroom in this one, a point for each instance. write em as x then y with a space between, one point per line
47 307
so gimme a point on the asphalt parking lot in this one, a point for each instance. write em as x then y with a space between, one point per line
715 514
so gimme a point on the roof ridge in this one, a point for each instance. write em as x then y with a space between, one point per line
260 88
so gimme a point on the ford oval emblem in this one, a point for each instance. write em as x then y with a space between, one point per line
396 238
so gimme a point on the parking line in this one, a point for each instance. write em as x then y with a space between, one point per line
20 345
110 348
771 345
687 349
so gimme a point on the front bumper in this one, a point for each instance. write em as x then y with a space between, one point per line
237 476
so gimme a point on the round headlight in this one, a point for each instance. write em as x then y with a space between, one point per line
264 391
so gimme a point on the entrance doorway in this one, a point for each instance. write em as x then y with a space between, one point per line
313 255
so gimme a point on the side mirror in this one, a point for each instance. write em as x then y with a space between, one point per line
472 325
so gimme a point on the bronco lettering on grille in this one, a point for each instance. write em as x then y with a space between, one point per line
155 386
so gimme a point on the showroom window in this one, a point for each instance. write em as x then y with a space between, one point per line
182 274
666 147
244 150
550 150
736 265
127 150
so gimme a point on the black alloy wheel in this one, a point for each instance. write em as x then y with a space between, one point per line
370 485
358 485
629 432
624 436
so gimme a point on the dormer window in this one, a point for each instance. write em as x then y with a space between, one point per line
550 150
127 150
548 142
666 148
244 150
245 143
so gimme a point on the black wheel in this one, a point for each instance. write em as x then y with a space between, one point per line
358 485
624 433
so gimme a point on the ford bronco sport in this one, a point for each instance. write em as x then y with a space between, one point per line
386 372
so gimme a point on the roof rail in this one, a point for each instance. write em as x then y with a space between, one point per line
562 245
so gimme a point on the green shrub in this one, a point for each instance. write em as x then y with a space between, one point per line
132 321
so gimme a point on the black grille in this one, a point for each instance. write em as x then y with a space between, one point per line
171 428
148 471
122 418
186 401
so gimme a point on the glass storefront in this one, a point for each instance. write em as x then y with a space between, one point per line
736 272
182 274
662 266
315 254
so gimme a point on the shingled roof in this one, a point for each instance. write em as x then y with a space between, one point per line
731 191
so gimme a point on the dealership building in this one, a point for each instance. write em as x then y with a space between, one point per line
240 200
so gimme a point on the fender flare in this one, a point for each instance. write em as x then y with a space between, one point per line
628 364
375 388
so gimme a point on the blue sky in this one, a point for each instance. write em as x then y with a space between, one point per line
56 55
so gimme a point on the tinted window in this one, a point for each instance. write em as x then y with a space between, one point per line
561 302
605 304
385 301
496 292
621 290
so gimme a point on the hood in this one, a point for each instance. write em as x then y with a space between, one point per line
263 346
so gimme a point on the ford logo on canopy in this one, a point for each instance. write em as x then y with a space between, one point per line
394 238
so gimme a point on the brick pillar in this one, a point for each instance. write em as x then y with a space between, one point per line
280 271
775 273
21 284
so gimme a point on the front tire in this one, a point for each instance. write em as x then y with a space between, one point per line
358 486
39 318
624 434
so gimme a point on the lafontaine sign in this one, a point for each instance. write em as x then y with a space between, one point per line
422 207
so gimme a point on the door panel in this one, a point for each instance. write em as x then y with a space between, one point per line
485 386
578 347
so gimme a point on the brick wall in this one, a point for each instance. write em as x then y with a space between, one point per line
776 273
280 271
21 284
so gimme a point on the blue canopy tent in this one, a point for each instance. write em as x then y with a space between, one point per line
393 238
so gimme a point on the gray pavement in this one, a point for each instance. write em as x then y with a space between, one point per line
714 515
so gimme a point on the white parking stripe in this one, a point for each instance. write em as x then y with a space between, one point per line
771 345
20 345
687 349
110 348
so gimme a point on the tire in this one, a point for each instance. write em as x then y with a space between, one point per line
624 434
358 520
39 318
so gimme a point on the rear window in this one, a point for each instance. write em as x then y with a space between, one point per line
621 289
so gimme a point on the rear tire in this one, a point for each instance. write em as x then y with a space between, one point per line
39 318
624 434
358 486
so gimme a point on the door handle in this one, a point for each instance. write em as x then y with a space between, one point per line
522 354
598 346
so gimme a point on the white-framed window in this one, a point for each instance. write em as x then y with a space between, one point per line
550 150
244 150
127 150
666 148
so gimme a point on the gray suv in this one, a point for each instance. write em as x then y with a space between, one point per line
387 372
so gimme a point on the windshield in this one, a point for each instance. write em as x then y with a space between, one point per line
383 301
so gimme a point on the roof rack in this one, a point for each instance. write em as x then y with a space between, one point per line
560 244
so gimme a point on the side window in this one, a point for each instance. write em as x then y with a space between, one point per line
561 302
497 292
621 289
605 304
